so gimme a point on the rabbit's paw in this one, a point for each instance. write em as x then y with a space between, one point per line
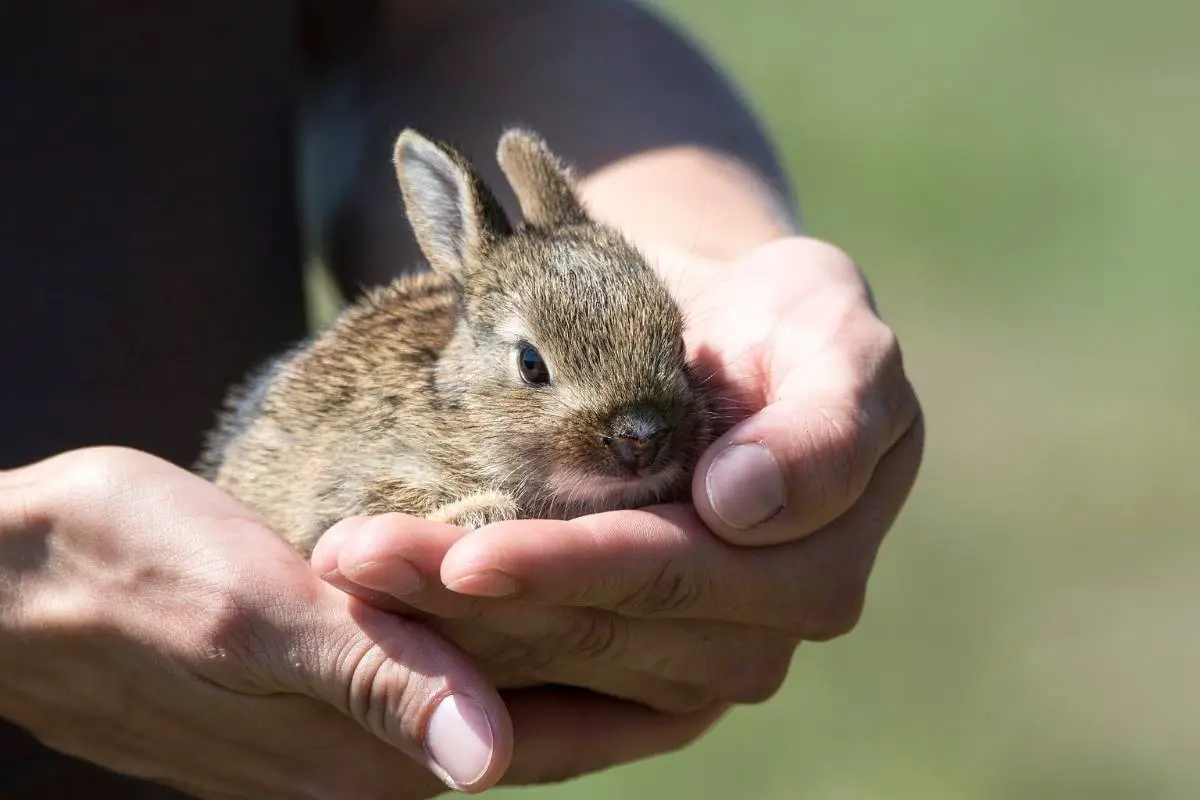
476 510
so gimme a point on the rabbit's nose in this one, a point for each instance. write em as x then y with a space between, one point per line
638 434
635 453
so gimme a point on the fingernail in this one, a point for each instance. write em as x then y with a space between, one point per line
395 576
745 486
459 740
488 583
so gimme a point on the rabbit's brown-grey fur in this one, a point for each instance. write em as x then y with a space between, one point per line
415 398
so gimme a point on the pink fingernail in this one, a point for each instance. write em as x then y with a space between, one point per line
488 583
460 741
745 486
398 577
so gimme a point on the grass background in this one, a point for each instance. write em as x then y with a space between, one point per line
1021 180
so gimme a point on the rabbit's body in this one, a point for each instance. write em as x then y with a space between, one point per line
537 372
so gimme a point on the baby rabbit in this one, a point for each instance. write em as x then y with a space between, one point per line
535 371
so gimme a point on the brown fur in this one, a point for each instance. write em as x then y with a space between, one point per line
412 400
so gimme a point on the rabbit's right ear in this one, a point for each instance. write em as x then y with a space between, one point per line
454 216
543 184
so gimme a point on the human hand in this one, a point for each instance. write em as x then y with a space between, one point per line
648 604
152 625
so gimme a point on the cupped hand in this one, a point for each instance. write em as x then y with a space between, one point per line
825 421
821 441
152 625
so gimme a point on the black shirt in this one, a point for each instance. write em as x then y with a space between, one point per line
150 252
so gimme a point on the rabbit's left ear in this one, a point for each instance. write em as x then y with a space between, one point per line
543 184
453 214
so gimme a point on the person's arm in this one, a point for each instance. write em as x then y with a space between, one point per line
667 148
691 201
153 626
828 433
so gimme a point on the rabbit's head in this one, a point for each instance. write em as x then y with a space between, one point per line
568 368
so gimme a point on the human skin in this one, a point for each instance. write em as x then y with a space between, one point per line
680 606
147 624
75 618
674 607
151 624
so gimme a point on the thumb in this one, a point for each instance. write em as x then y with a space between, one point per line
403 683
799 463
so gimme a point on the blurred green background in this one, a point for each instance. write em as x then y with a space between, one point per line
1021 180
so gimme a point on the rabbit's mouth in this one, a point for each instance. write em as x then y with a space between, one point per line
585 492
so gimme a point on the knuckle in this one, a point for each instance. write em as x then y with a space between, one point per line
387 684
673 591
835 611
369 697
76 480
106 464
888 345
897 395
757 680
93 472
832 255
752 668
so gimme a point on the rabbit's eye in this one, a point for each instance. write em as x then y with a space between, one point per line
532 366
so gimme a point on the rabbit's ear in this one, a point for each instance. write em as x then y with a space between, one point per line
453 214
543 184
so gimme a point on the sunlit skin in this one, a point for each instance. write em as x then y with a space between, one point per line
650 604
173 635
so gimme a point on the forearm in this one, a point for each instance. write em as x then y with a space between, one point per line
667 150
689 201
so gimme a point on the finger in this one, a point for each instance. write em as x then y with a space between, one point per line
663 562
324 563
669 665
807 457
644 689
563 733
398 680
392 562
664 665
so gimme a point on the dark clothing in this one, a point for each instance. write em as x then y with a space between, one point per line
150 252
151 244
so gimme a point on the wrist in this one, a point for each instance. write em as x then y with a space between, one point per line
690 203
